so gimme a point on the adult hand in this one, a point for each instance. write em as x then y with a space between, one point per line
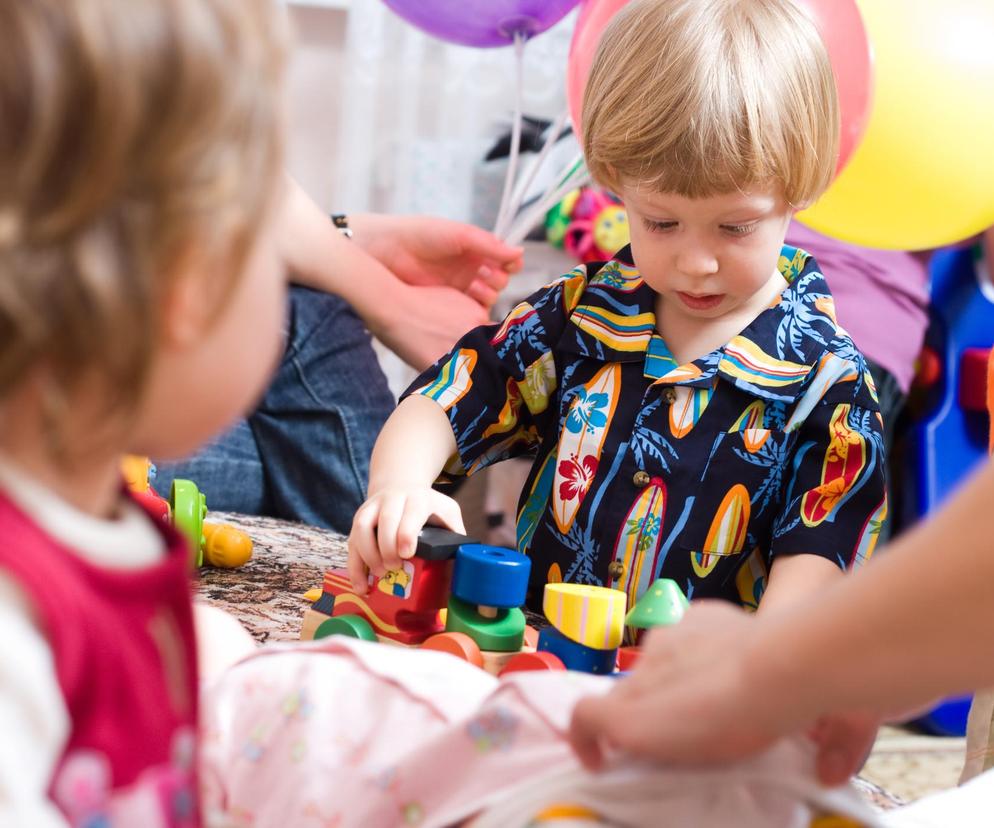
422 250
844 742
420 324
694 696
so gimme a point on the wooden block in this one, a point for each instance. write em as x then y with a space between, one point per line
312 620
490 576
494 662
627 656
438 544
527 662
575 655
351 626
505 633
457 644
589 615
661 605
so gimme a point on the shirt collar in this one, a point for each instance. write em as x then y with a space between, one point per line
615 321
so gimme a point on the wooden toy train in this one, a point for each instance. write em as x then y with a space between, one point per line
465 598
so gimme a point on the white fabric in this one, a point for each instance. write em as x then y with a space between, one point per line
417 114
34 721
970 806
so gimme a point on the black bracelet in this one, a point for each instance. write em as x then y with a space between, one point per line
341 222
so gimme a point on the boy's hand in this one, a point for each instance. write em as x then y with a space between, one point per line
385 529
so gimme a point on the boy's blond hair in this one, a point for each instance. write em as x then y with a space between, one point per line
131 133
703 97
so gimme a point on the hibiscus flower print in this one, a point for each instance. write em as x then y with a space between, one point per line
577 475
587 412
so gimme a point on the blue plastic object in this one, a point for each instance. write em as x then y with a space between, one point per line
490 576
947 438
576 656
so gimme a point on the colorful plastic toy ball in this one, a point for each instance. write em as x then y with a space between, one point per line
589 223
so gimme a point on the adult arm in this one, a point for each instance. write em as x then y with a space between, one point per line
419 324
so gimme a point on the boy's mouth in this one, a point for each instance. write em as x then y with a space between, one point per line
700 301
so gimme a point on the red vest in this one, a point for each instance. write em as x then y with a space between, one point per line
125 657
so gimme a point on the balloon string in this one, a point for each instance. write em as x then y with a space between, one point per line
503 213
576 176
521 190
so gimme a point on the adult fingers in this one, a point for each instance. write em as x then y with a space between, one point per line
478 242
483 293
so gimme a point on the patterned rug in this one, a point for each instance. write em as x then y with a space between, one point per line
266 595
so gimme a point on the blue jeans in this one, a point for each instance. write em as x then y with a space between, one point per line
303 454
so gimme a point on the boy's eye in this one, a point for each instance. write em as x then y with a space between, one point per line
738 229
658 226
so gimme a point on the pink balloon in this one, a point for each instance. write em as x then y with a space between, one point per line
841 27
594 17
838 21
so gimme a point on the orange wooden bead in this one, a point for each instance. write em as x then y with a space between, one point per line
524 662
457 644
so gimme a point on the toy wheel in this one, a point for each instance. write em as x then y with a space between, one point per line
189 508
490 576
458 644
352 626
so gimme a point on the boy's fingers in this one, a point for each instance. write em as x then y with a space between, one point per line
391 512
361 538
411 523
448 512
357 572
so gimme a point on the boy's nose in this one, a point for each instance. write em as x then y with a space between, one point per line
696 262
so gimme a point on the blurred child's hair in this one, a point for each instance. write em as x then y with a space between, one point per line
131 133
704 97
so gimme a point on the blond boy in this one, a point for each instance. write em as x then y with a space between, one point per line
693 408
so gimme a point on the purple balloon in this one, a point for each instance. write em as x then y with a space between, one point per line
482 22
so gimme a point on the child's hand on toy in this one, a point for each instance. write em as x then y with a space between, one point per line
385 529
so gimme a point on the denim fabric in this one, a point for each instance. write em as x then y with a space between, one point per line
303 454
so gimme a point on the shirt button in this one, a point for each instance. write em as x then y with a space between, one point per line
641 478
669 395
615 570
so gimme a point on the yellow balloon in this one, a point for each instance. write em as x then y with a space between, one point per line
923 175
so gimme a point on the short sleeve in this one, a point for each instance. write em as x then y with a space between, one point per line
498 385
835 499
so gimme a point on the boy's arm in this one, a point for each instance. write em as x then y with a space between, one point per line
794 578
413 447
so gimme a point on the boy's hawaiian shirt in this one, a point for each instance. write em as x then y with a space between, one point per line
704 472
